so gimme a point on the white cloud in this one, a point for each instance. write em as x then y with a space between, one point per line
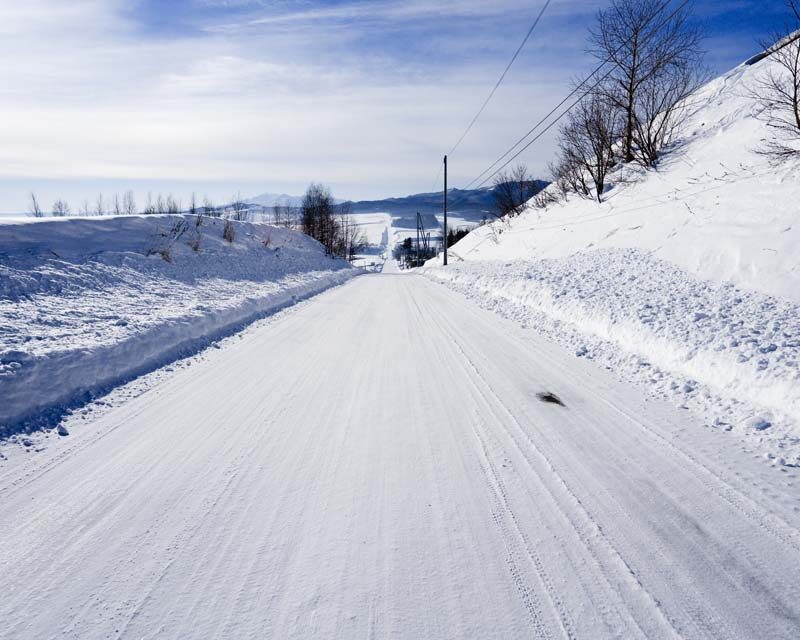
89 96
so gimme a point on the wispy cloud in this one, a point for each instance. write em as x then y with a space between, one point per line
217 96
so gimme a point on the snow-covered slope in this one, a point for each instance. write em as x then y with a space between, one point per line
88 303
686 279
714 207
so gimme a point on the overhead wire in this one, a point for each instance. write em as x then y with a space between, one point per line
556 108
501 78
495 87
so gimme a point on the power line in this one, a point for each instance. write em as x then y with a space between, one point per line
541 133
564 113
538 124
502 77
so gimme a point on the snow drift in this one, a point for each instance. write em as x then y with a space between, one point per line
686 279
89 303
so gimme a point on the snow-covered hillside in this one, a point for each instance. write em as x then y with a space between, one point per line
88 303
685 280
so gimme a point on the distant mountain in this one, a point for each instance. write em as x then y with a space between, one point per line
271 199
470 202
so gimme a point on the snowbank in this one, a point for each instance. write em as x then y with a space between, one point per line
88 303
731 355
714 206
685 280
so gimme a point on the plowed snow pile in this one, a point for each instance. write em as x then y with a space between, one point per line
88 303
686 280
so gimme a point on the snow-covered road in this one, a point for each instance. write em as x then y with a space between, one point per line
377 463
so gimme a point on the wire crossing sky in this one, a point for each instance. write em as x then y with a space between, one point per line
220 96
501 78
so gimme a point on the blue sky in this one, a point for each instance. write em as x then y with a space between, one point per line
220 96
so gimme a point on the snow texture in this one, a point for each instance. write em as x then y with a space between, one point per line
731 355
411 478
88 303
686 279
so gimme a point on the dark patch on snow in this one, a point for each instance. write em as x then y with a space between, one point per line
550 398
756 58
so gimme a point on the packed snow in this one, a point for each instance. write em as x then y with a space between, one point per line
685 280
731 355
382 462
88 303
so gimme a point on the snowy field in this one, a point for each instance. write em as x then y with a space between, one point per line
685 281
88 303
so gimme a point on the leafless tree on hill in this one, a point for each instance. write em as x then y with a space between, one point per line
129 203
511 190
662 104
284 216
350 238
209 209
779 91
238 208
60 209
657 60
150 208
568 174
35 210
587 143
172 205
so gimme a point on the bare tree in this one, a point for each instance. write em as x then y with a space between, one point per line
172 206
350 238
117 205
317 215
662 102
511 190
193 204
569 176
542 200
60 208
99 206
238 208
85 210
649 44
285 216
209 209
161 205
228 230
587 141
779 91
129 203
150 208
35 209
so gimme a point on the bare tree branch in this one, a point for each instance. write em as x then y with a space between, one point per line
779 91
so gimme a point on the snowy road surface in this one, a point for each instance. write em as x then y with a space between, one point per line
376 463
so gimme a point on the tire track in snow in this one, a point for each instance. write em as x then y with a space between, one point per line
699 617
706 623
479 383
501 515
771 524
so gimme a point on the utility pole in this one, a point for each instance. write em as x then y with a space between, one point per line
444 240
419 224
